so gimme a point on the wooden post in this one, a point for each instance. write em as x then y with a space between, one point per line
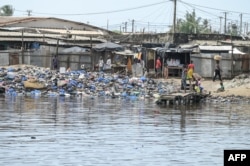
91 55
22 49
57 45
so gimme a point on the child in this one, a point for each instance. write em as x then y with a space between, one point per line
222 88
197 86
184 78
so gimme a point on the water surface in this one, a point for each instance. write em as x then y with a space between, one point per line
85 131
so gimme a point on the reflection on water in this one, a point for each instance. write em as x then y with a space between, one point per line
66 131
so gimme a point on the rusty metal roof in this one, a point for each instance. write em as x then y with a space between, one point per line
9 20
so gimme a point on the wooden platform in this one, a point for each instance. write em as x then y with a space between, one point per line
181 98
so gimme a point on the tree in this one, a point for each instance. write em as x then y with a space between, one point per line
193 25
205 28
6 10
190 24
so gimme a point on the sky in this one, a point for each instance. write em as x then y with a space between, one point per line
147 15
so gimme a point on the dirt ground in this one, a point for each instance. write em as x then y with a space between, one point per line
242 90
212 87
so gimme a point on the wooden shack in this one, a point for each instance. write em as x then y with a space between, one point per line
174 58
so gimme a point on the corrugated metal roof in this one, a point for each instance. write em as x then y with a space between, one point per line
55 31
8 20
125 53
178 50
236 51
17 36
215 48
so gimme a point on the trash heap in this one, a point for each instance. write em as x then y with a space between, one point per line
27 80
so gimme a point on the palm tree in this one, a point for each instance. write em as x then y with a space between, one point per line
191 24
6 10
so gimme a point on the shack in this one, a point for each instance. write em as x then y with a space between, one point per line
75 58
233 61
174 58
105 50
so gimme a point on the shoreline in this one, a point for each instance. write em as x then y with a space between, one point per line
238 87
233 88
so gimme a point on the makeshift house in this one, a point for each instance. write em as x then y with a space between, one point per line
123 61
35 40
232 62
75 58
105 50
174 58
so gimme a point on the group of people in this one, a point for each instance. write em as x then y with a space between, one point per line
104 66
187 74
158 67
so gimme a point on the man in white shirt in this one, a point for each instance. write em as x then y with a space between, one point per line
108 63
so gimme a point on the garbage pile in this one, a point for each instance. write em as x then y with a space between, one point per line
27 80
242 79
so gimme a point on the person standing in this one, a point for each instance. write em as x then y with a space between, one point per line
166 70
184 78
217 71
55 63
190 71
134 73
158 67
142 63
108 64
100 64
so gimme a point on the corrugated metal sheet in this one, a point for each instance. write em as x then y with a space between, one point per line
7 20
179 50
54 31
237 52
17 36
215 48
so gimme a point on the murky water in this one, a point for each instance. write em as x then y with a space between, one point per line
65 131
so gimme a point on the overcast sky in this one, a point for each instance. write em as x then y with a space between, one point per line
151 15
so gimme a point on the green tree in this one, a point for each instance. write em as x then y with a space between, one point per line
6 10
205 27
191 24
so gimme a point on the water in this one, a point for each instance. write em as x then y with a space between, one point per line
90 132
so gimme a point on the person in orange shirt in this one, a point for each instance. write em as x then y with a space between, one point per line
158 67
190 72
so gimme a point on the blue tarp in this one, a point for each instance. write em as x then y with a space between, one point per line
108 46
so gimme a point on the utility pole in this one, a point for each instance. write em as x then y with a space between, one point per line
133 24
29 12
126 27
246 27
225 25
174 21
148 27
240 23
220 23
107 24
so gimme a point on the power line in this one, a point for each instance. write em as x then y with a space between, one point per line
222 10
103 12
